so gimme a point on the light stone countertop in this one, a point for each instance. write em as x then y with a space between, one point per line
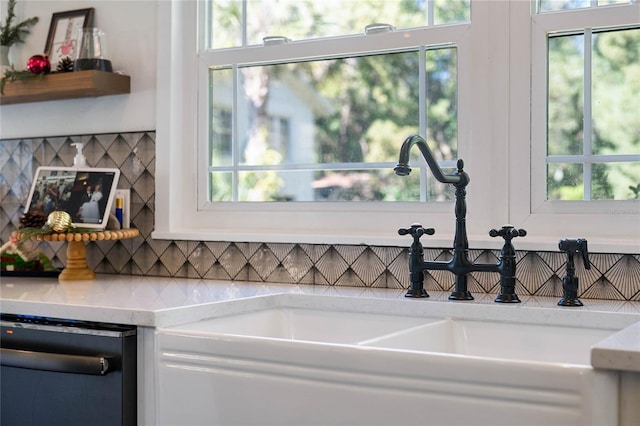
164 302
620 351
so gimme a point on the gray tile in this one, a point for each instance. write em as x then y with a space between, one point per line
625 275
532 271
551 288
368 267
297 263
263 261
331 265
233 261
601 289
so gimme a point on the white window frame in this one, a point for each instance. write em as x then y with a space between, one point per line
494 135
609 226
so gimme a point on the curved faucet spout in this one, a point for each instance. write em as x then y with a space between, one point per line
402 169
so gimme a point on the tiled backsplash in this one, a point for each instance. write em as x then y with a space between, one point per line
612 276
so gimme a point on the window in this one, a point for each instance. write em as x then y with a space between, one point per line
235 23
344 115
344 109
583 159
593 103
300 165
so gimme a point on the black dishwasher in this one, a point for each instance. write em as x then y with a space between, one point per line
67 372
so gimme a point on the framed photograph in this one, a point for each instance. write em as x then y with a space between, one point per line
62 40
85 193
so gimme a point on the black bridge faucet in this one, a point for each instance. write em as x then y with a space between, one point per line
459 264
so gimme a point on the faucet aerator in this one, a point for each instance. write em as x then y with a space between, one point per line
402 170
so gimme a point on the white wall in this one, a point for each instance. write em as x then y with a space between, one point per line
132 44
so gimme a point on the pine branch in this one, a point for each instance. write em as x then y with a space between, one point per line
13 75
15 34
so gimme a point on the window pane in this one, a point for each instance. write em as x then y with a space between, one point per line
220 131
341 119
225 29
565 95
449 11
616 92
306 19
551 5
441 98
593 104
221 186
335 185
565 182
554 5
616 181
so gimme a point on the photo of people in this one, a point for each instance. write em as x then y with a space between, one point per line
89 211
88 198
52 191
83 194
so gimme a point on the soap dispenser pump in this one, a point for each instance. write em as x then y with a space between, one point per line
570 281
79 160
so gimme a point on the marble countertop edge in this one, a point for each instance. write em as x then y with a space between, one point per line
620 351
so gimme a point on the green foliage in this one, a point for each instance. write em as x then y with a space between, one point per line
615 74
12 34
17 75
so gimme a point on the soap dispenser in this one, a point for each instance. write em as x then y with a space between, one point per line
570 281
79 160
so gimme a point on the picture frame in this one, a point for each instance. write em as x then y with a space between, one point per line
86 193
63 36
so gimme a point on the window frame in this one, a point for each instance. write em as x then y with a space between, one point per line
495 129
612 226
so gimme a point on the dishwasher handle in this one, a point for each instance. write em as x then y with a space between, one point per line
64 363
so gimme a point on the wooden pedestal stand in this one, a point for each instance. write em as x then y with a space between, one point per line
77 268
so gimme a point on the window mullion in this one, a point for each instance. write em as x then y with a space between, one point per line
243 24
587 113
422 102
430 12
235 144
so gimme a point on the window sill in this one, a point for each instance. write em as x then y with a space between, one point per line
476 242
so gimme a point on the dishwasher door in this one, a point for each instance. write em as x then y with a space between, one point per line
66 372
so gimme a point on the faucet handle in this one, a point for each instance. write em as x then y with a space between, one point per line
416 231
579 245
507 232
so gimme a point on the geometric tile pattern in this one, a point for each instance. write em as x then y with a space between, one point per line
612 276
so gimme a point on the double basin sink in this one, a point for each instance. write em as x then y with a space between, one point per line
526 339
311 360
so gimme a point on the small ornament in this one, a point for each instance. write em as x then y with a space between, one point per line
39 64
59 221
16 257
22 256
33 219
65 65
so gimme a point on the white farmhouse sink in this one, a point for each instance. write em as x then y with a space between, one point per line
527 342
305 325
317 360
496 338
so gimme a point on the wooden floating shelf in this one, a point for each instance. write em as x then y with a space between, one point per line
66 85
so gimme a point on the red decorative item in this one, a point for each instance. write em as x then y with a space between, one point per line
39 64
